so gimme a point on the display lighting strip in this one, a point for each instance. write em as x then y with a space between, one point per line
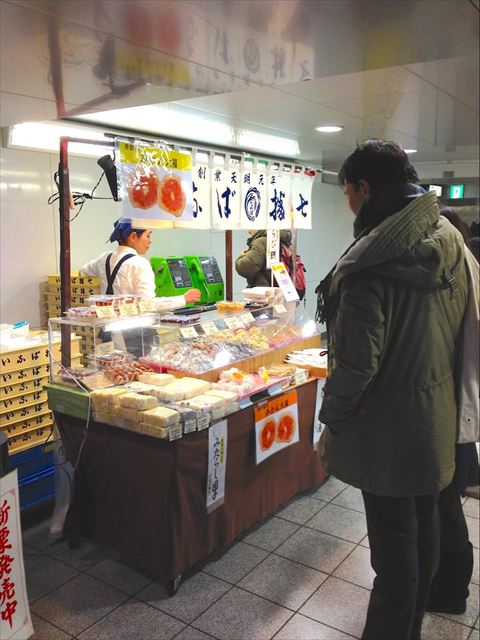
45 136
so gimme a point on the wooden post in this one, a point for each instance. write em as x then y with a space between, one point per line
64 209
228 265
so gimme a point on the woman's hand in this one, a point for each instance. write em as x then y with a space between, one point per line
192 295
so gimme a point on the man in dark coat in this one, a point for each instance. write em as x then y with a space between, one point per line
394 305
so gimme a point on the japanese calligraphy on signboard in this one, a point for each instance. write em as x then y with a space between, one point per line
276 425
15 621
201 197
253 206
155 185
302 184
226 196
217 464
279 199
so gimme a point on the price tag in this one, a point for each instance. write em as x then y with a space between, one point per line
188 332
146 305
127 310
280 308
104 348
174 433
209 328
203 421
247 318
301 376
190 425
234 322
106 311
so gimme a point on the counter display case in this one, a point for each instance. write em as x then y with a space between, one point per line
218 341
201 345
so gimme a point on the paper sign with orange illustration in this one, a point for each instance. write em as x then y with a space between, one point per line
276 425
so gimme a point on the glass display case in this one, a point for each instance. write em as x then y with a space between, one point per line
221 339
200 345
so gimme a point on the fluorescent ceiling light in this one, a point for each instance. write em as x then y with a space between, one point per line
410 150
45 136
331 128
275 145
170 121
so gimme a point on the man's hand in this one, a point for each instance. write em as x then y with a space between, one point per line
192 295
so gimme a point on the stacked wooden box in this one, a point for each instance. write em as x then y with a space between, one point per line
24 413
81 288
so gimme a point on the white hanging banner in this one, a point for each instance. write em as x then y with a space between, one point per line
201 197
155 184
302 183
15 621
217 464
253 207
279 199
226 195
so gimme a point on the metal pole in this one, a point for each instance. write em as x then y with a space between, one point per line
64 209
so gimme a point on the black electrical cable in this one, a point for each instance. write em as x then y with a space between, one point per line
78 198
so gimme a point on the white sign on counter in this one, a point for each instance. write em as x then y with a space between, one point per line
284 282
217 465
317 425
15 621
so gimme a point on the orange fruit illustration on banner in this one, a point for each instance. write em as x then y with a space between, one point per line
143 190
171 197
267 435
286 428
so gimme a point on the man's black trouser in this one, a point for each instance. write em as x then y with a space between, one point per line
404 551
450 585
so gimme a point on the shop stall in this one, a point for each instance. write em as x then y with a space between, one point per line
183 429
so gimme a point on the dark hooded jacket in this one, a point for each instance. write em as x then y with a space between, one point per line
252 265
394 307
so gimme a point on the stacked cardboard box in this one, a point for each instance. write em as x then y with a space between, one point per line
24 413
81 288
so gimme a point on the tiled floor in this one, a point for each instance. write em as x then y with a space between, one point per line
302 574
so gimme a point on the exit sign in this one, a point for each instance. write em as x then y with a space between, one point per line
456 191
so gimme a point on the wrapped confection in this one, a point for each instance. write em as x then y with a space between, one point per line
106 399
160 417
137 401
156 379
139 387
215 406
132 415
230 399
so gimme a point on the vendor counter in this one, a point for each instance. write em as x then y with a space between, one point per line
146 497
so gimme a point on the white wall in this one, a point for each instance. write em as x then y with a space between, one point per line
29 231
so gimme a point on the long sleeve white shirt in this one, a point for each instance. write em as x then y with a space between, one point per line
135 277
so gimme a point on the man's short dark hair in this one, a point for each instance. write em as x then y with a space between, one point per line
378 162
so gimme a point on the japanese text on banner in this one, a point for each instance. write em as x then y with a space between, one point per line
217 464
15 622
226 196
276 425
